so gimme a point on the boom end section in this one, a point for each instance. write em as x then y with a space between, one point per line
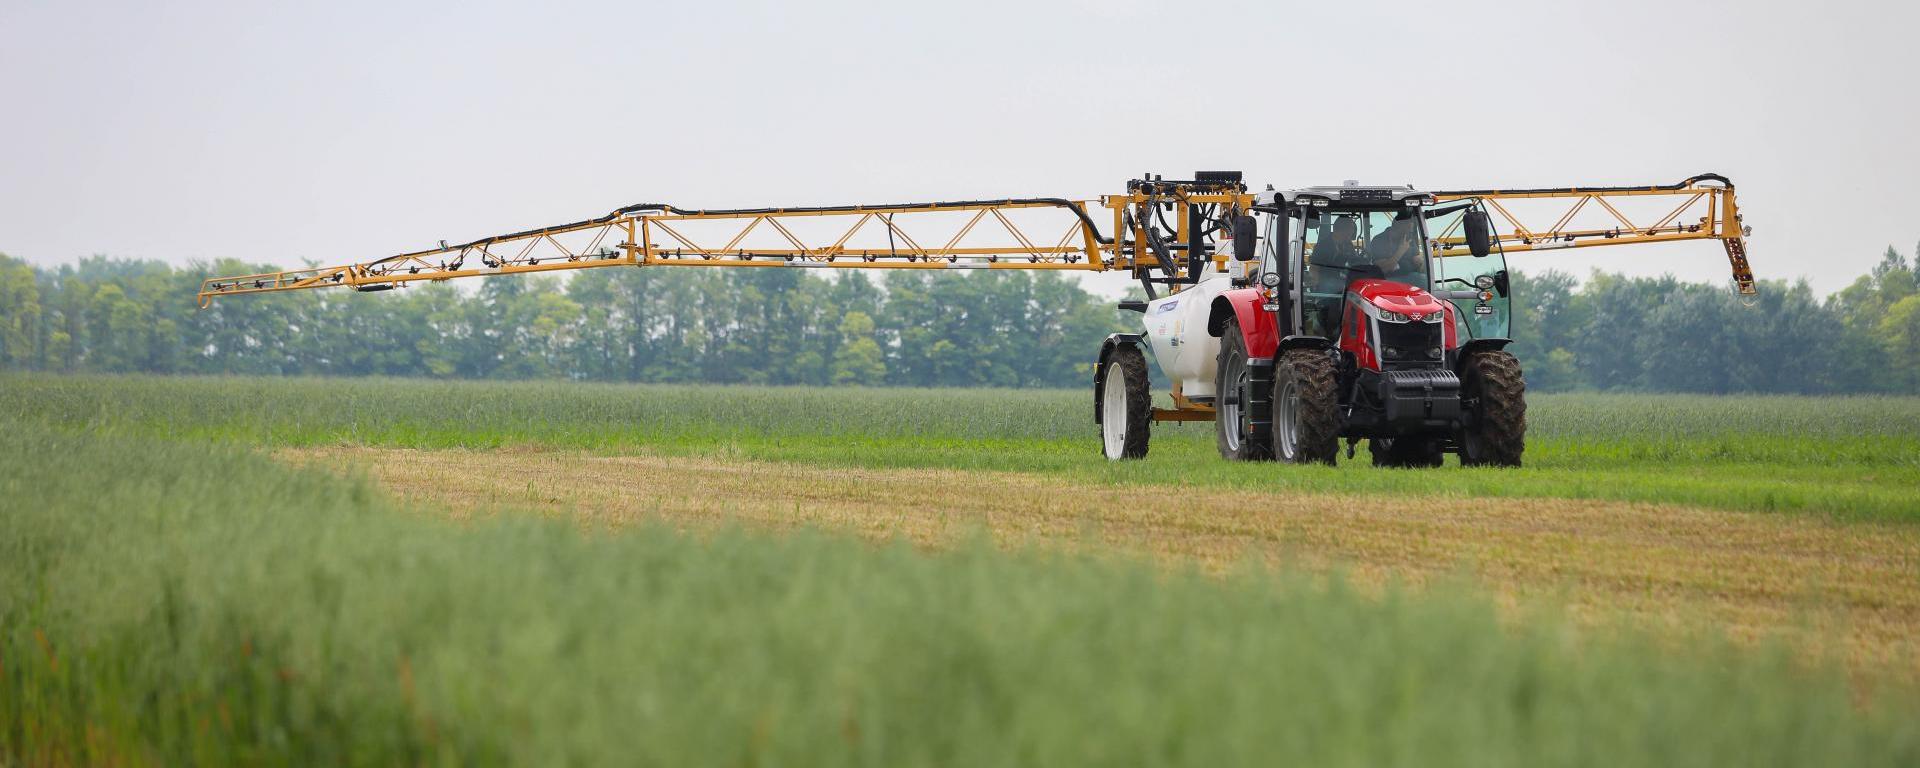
1737 258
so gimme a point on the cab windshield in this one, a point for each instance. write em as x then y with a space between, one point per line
1381 243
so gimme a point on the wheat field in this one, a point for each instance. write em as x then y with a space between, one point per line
309 571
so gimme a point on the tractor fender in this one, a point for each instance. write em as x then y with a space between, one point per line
1489 343
1305 342
1112 342
1257 327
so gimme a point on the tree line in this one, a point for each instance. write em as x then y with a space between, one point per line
758 326
1659 334
991 328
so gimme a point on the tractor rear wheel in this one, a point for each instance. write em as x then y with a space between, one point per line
1232 401
1126 405
1494 395
1405 452
1306 411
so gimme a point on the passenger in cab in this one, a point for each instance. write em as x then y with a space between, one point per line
1396 253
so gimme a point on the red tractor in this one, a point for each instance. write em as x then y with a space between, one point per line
1358 313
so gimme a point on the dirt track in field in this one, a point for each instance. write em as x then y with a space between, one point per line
1852 589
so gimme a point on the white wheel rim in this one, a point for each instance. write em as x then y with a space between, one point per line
1287 413
1113 411
1230 404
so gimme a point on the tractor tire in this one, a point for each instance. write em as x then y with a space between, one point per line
1126 405
1306 408
1406 452
1232 393
1494 392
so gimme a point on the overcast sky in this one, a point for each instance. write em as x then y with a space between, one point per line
343 131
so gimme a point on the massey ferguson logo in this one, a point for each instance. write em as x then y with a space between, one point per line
1417 317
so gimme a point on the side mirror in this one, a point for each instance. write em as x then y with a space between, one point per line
1246 237
1479 234
1500 282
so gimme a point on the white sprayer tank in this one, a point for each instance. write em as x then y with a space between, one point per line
1177 331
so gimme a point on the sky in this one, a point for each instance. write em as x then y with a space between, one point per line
345 131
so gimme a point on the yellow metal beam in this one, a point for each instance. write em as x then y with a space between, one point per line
658 235
1700 208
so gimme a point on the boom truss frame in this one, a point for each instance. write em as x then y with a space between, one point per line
1170 253
1699 208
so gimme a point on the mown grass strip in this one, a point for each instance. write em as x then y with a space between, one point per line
1854 458
1826 588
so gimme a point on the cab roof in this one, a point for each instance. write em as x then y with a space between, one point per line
1347 194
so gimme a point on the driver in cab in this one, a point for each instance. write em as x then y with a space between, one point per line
1336 255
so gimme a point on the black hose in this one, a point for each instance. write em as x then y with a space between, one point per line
1690 181
1070 205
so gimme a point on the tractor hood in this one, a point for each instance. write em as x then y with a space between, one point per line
1399 299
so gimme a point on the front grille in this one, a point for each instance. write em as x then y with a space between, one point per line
1410 342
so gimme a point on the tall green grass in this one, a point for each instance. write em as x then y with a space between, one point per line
1849 458
183 602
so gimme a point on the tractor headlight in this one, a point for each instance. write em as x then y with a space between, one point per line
1483 282
1390 316
1270 279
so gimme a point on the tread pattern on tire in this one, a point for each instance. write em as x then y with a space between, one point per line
1495 378
1133 369
1319 418
1232 343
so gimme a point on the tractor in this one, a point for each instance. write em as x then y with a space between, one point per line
1347 313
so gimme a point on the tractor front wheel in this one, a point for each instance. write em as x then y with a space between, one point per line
1494 394
1126 406
1306 411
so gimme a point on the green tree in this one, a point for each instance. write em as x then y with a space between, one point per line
19 314
1867 299
116 330
1900 331
1548 310
1611 346
858 361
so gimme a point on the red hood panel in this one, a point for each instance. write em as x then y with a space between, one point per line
1396 297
